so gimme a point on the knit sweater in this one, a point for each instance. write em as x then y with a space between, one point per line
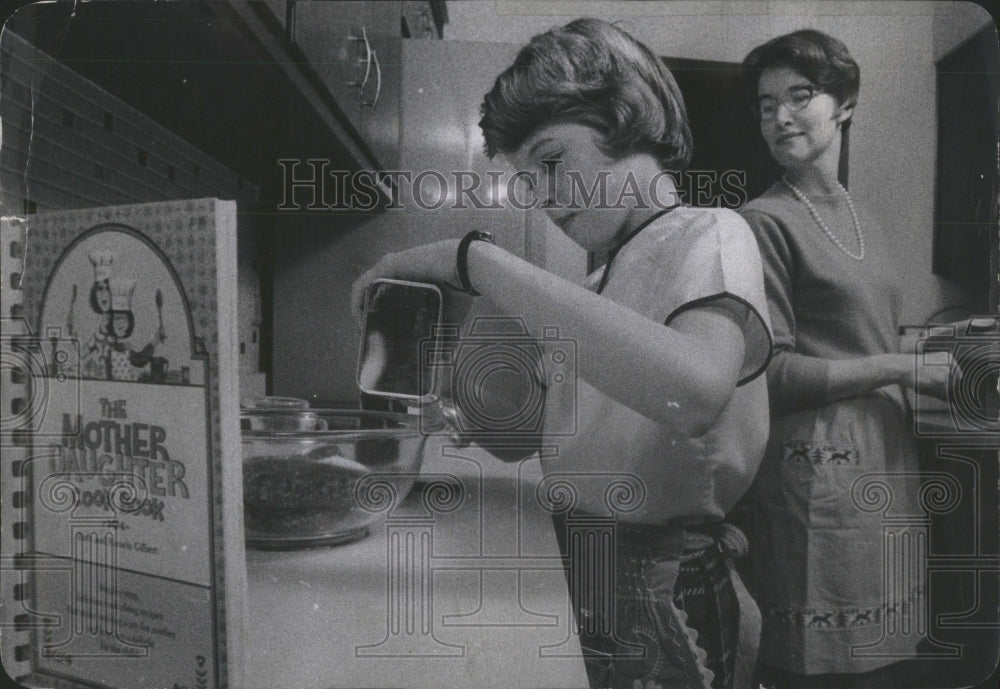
823 303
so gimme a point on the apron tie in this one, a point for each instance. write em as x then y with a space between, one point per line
734 544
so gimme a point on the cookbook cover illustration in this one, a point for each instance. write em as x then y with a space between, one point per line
130 513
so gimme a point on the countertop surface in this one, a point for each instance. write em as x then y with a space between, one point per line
459 586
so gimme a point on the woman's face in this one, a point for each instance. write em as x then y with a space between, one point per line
798 138
569 166
102 296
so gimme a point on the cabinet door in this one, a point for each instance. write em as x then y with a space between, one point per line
354 48
382 17
331 36
380 104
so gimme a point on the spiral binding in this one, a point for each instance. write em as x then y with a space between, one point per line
17 658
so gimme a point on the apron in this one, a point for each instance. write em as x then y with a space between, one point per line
95 361
679 615
121 363
831 481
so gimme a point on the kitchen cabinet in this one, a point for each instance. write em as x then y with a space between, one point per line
355 50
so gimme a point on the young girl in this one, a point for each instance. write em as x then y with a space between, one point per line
671 338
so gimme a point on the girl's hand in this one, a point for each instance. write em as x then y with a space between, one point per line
433 263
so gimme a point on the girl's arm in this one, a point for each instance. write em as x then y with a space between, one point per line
681 376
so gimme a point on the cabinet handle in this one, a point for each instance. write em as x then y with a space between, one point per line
369 54
378 84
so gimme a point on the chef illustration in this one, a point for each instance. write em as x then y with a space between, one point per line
96 349
124 362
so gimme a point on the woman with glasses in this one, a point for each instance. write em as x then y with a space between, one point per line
833 610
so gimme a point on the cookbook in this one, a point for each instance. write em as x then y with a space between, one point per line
124 564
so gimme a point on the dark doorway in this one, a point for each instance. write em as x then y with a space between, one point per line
727 140
965 211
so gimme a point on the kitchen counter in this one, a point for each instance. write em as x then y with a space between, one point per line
459 586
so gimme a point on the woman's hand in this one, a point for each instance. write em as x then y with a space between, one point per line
851 377
937 372
434 263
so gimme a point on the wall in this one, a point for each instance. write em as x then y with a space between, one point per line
893 140
68 144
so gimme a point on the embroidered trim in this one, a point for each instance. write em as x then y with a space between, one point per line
806 452
841 618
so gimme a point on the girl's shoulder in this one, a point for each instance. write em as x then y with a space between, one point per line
690 225
692 240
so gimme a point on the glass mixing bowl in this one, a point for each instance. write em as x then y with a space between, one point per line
315 477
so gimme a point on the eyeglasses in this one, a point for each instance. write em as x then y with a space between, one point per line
798 98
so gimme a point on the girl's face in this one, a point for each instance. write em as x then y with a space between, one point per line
102 295
800 130
119 324
569 165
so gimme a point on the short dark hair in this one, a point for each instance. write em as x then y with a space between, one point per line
820 58
593 73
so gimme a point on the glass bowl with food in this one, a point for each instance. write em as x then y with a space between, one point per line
318 477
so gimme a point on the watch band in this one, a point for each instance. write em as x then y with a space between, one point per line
462 260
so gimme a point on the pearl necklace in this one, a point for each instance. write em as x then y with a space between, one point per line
822 225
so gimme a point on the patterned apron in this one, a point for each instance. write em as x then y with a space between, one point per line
831 483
